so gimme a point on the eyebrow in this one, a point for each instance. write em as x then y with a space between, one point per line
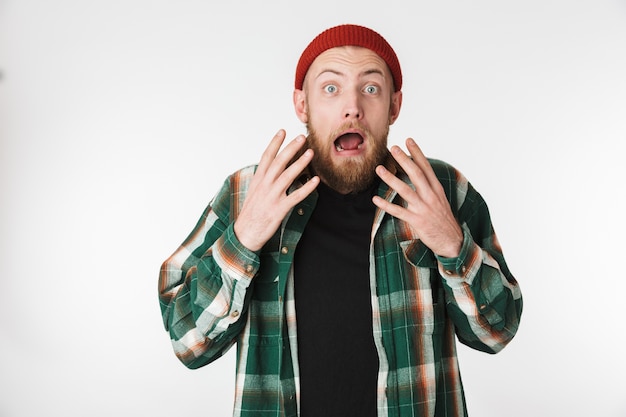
364 73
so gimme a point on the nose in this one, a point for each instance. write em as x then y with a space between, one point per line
353 109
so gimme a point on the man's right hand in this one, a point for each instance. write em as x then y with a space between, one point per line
267 202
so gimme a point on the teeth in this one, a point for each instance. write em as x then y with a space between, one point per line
340 149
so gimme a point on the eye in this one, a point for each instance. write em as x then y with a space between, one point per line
330 88
371 89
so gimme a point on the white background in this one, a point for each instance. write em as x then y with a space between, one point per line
119 120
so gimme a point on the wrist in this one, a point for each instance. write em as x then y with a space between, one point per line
248 242
453 248
453 251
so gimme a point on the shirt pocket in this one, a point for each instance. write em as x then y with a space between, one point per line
418 254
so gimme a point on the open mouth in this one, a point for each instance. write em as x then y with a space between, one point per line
349 142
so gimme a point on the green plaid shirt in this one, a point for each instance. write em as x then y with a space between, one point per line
214 293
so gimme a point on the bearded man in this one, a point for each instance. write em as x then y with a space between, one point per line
344 271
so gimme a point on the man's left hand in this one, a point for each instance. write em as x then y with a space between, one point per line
428 211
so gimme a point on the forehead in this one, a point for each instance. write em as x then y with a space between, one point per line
347 59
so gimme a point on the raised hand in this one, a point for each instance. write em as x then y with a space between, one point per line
267 202
428 211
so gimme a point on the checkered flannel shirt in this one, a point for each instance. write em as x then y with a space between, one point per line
215 293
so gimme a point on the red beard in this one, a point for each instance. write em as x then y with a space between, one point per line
350 174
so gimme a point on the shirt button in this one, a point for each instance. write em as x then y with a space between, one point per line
463 268
249 268
300 211
284 250
234 314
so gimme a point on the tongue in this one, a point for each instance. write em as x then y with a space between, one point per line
350 141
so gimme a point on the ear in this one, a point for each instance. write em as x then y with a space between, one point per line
396 104
299 104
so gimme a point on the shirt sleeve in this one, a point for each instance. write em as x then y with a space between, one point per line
482 296
203 285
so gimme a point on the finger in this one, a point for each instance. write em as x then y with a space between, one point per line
301 193
411 167
270 152
422 162
284 157
289 175
390 208
419 170
401 187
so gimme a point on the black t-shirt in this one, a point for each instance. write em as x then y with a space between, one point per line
336 351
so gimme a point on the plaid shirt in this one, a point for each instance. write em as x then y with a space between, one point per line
214 293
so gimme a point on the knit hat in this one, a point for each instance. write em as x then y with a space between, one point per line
349 35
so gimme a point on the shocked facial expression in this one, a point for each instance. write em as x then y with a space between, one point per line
348 104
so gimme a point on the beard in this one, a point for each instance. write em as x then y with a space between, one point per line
350 174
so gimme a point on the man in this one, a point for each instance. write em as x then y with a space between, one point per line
341 269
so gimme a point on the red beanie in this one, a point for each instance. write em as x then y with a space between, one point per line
349 35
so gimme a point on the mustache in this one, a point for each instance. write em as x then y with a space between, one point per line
311 133
353 125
